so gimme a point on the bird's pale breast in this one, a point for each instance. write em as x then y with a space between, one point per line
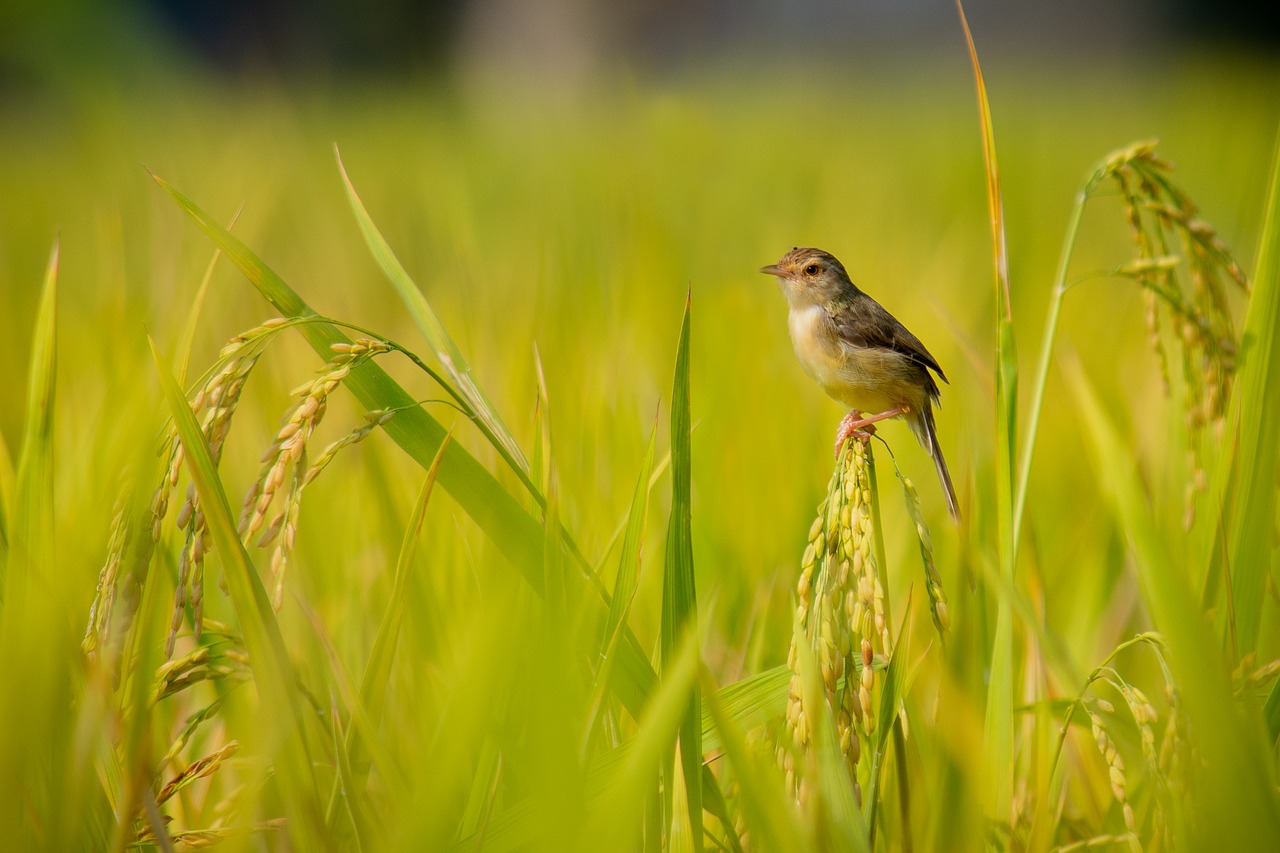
870 380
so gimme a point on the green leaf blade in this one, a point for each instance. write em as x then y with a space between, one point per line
1251 551
679 596
428 323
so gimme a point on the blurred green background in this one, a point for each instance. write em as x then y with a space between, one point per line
556 177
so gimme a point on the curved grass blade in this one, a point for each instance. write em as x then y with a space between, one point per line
7 477
622 799
1251 541
188 335
273 675
31 523
624 587
516 533
895 688
749 703
998 728
428 323
761 792
679 596
377 673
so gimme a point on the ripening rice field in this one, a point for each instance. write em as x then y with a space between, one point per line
464 492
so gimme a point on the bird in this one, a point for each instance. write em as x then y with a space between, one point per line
860 354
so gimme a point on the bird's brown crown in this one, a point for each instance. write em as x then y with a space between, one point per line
804 262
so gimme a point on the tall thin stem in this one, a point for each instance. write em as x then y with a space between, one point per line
1046 352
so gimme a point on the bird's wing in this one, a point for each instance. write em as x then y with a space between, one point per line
863 322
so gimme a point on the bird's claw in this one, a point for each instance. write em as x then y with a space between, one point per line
853 425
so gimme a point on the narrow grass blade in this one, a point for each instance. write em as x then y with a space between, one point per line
621 527
516 533
1237 806
7 477
377 673
622 799
38 672
1251 539
624 587
998 728
537 465
895 681
749 703
763 801
679 597
428 323
714 802
343 776
1041 378
31 530
197 305
475 815
273 674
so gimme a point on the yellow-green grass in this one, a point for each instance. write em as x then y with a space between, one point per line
556 240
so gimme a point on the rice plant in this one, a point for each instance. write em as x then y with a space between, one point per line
462 589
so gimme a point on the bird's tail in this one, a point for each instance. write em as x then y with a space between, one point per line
927 433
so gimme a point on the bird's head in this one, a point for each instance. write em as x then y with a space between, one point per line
811 276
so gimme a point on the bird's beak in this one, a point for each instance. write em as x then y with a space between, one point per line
773 269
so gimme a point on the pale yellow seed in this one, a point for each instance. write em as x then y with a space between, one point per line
184 514
1117 782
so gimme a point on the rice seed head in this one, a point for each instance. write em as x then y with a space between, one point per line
840 604
96 633
1169 236
199 769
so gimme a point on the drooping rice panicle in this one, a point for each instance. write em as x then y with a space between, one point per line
286 458
217 400
1170 239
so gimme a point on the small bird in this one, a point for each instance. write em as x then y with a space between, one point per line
859 353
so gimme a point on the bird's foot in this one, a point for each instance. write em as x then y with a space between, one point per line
854 424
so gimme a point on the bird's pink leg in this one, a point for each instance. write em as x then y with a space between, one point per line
855 424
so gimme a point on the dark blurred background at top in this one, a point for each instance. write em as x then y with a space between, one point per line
325 41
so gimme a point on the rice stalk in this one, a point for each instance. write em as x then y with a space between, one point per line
1163 763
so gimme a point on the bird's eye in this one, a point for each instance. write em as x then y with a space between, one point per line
812 269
